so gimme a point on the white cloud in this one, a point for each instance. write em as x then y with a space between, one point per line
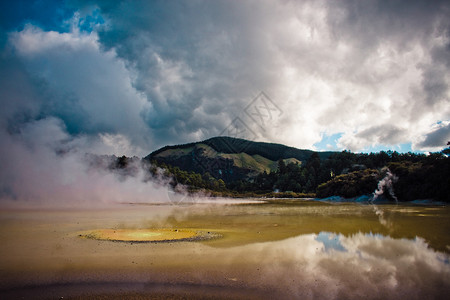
65 97
332 266
90 89
33 41
168 73
331 67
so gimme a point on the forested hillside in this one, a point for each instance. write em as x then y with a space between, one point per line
277 170
231 159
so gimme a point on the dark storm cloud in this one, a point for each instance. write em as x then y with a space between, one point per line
161 72
369 23
435 83
404 25
192 59
389 134
437 138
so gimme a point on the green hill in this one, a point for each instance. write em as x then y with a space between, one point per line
231 158
230 166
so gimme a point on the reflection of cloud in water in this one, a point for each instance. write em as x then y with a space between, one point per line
330 241
333 266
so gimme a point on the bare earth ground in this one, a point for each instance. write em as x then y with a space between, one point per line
290 250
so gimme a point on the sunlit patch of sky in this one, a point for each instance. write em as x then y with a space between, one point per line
329 142
48 15
401 148
187 69
90 22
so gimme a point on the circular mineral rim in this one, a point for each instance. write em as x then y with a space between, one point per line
147 235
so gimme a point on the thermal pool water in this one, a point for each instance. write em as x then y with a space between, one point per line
285 249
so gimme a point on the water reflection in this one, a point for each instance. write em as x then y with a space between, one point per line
330 241
334 266
287 250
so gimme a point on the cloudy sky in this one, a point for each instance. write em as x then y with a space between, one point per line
127 77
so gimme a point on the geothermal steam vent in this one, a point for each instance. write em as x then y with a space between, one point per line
148 235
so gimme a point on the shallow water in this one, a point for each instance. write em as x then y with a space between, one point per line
281 249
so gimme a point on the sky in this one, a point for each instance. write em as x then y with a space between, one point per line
128 77
133 76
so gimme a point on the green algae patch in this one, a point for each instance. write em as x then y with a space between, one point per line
159 235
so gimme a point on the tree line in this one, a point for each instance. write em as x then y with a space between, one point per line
345 174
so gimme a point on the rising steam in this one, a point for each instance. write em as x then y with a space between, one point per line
42 165
386 185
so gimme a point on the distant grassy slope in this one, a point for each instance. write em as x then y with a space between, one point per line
231 158
256 162
229 145
176 152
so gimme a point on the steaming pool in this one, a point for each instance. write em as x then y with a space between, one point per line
282 249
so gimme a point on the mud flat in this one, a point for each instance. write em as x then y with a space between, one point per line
303 249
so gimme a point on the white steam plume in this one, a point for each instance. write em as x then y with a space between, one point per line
386 184
44 166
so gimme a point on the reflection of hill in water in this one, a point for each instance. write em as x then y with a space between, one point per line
276 250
